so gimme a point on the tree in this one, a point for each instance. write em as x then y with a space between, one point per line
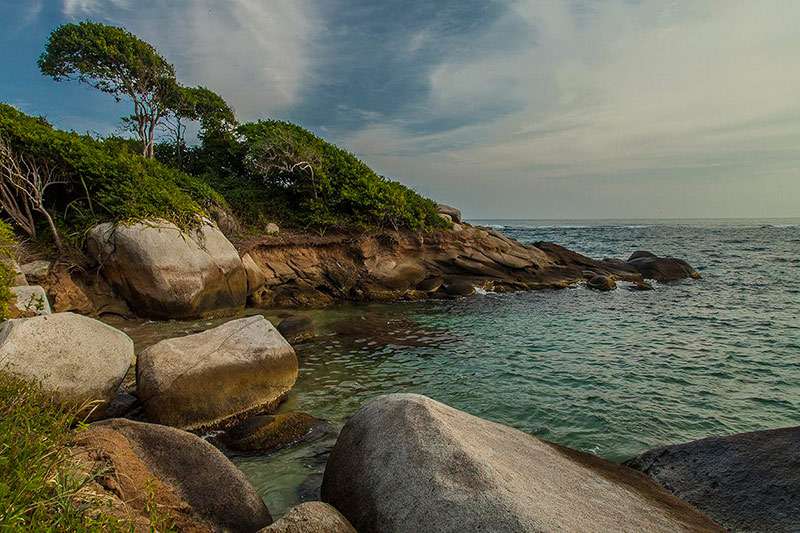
116 62
23 183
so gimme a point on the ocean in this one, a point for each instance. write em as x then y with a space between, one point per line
613 374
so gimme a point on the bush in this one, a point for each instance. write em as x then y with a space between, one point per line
106 180
7 245
308 182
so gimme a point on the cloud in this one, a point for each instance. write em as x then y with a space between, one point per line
633 97
257 55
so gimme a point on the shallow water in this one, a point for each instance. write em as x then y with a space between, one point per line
610 373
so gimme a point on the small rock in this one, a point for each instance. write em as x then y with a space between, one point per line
602 283
457 227
430 285
296 328
311 517
268 432
272 229
31 299
77 358
122 405
452 212
447 218
36 271
459 288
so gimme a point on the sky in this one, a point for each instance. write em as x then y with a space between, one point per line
506 109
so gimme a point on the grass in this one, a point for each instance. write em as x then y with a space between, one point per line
41 487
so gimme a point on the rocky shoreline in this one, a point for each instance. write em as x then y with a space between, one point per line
403 462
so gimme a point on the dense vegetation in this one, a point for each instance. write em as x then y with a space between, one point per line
7 245
41 488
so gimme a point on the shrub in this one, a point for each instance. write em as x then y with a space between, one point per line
7 245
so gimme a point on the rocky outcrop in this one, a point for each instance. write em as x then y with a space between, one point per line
213 379
405 463
745 482
311 517
296 328
165 272
78 358
661 268
76 287
189 482
31 299
308 270
266 433
449 211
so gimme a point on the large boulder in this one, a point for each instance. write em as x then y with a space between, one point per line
452 212
188 481
213 379
266 433
77 358
163 271
31 299
406 463
297 328
662 268
745 482
255 274
311 517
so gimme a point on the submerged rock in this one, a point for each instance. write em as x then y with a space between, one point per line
311 517
406 463
745 482
77 358
662 268
210 380
165 272
296 329
184 476
602 283
31 299
268 432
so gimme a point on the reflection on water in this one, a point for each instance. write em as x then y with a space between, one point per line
610 373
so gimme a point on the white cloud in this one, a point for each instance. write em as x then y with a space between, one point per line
255 54
704 92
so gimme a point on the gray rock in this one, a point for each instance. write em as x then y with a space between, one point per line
447 218
311 517
602 283
664 268
745 482
19 276
78 358
36 271
272 229
452 212
31 299
297 328
638 254
200 487
255 274
165 272
406 463
213 379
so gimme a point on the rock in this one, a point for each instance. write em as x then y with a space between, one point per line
272 229
19 276
311 517
447 218
78 358
184 476
406 463
297 328
430 285
602 283
36 271
457 227
82 291
638 254
165 272
268 432
663 268
123 404
452 212
31 298
459 288
745 482
213 379
255 274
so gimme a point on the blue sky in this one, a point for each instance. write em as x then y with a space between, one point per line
518 108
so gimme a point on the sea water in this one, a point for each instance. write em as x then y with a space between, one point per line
612 374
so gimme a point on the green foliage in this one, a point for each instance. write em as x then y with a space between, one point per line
107 181
312 183
7 245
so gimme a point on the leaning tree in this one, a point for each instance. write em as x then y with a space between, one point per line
116 62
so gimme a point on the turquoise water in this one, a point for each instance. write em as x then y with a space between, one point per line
609 373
